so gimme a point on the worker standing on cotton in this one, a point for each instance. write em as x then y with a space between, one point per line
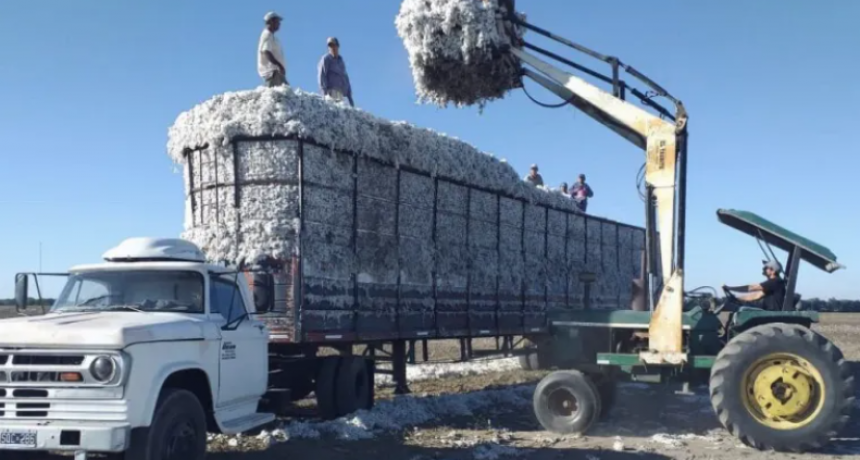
534 177
581 192
271 64
333 79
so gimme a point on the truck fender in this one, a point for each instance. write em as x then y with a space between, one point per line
162 376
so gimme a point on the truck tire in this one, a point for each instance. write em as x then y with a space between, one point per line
325 388
782 387
178 430
566 402
354 387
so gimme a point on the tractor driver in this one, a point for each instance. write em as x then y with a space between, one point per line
767 295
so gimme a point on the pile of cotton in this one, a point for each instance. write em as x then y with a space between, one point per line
380 204
456 52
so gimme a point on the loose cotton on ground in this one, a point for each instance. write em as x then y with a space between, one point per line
454 49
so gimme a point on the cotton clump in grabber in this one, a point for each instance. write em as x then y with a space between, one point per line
456 52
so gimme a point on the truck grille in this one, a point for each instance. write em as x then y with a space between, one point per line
25 409
40 368
36 367
57 385
45 360
21 377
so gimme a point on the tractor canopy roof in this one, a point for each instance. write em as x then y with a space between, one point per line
775 235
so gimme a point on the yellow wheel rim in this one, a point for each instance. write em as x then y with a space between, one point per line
783 391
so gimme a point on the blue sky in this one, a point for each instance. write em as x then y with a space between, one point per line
89 88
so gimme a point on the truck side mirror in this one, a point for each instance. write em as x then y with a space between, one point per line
21 291
264 292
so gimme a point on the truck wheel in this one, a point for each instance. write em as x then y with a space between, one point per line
325 388
178 430
566 402
354 387
782 387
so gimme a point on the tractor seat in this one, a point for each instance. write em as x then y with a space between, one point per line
798 302
797 305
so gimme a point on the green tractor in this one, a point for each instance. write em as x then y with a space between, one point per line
774 382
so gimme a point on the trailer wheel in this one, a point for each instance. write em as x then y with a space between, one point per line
178 430
529 362
325 388
354 388
782 387
566 402
607 388
536 359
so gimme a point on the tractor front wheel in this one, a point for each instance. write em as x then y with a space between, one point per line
782 387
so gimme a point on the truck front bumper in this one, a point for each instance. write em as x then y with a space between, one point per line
63 436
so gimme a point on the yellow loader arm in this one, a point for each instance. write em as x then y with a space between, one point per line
664 143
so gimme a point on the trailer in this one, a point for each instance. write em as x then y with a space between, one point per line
377 252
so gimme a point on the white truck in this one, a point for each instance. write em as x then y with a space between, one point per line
137 357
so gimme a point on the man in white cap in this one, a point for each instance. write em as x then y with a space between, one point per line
271 64
333 79
534 177
768 294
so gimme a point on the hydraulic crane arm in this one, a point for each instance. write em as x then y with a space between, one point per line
664 143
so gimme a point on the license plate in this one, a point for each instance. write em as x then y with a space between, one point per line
18 438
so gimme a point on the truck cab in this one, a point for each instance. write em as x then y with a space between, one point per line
142 354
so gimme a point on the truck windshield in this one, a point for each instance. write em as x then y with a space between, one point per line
143 290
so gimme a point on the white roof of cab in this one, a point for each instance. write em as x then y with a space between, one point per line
155 249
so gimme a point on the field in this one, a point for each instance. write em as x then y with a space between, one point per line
482 411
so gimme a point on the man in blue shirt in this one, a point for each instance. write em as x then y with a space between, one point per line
333 79
581 192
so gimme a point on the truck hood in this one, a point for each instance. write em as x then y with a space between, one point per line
112 330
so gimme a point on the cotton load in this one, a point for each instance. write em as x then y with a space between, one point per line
454 51
396 226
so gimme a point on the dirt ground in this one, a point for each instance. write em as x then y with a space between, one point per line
487 416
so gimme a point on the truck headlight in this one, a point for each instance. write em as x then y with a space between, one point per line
103 369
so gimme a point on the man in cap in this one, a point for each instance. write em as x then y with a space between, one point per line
271 64
581 192
333 79
534 177
768 294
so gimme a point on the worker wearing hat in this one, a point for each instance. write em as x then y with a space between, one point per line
534 177
271 64
769 294
333 78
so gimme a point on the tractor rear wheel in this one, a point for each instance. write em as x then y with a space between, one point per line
782 387
567 402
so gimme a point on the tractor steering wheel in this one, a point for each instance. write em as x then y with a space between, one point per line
730 298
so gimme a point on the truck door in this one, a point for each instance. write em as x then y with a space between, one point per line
244 347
